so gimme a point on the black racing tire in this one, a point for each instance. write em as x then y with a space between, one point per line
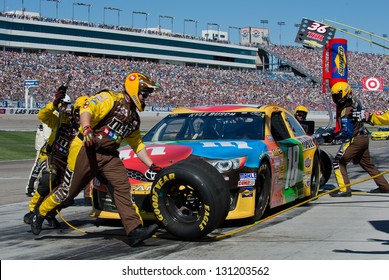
315 176
190 199
262 194
326 160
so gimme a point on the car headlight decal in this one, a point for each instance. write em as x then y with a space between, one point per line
227 165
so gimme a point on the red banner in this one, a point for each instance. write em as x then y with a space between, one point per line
372 84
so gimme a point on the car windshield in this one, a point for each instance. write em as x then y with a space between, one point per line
208 126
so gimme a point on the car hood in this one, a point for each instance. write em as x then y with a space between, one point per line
165 154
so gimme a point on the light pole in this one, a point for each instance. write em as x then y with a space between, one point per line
195 22
385 36
233 27
218 29
357 32
281 23
171 18
266 38
139 13
56 6
112 9
264 21
82 4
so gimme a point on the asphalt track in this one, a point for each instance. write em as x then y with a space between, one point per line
354 228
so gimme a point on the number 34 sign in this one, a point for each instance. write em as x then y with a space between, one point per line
372 84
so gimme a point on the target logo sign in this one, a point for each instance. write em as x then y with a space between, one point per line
372 84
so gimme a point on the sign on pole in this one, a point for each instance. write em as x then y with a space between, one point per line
314 34
31 83
27 85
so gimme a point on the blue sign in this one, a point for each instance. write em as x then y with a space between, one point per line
31 83
3 103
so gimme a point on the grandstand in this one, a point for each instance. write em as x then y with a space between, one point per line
186 78
32 34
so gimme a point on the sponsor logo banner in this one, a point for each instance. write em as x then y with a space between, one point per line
372 84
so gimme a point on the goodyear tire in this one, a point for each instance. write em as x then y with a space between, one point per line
325 167
262 194
190 199
315 176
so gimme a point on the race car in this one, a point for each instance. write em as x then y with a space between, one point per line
220 163
381 134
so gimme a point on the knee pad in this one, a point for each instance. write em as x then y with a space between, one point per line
46 183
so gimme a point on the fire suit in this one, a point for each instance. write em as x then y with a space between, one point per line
53 156
355 147
379 118
113 118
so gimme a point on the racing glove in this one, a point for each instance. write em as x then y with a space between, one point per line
59 95
360 115
89 138
327 136
152 171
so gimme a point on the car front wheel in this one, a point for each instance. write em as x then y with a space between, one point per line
190 199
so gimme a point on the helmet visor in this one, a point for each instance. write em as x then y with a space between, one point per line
337 97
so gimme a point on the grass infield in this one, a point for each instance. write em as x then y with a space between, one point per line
17 145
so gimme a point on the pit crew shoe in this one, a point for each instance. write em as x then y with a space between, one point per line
53 223
36 223
28 217
378 190
340 194
136 236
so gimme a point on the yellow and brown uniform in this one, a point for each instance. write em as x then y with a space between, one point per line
53 156
355 147
113 118
379 118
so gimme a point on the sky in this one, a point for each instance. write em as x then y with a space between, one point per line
351 15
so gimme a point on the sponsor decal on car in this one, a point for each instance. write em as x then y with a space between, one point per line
251 175
247 192
308 162
307 143
245 183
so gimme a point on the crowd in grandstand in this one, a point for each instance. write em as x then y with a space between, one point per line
152 31
359 64
188 85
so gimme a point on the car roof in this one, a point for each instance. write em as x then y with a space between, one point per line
226 108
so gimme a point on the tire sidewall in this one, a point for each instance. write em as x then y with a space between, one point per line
209 188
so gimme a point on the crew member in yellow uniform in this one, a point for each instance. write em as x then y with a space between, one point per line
376 118
107 119
63 119
300 113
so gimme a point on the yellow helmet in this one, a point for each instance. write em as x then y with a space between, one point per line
137 83
300 113
301 108
340 92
